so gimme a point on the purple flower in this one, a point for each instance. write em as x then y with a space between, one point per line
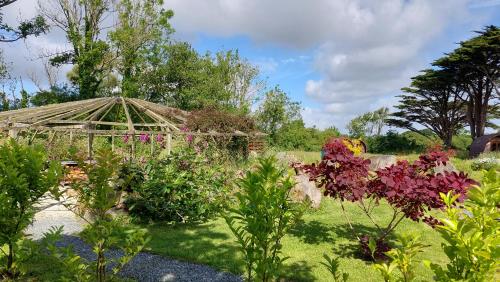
159 138
125 138
144 137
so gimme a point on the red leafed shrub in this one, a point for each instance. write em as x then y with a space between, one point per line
414 188
411 189
343 175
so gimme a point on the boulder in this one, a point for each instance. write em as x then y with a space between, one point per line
381 161
286 159
449 167
306 190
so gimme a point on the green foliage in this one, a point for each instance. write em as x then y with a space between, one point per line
485 164
368 124
182 78
56 94
471 234
90 53
262 217
393 142
183 187
295 136
142 26
96 197
332 264
25 177
432 101
35 26
275 111
75 267
402 259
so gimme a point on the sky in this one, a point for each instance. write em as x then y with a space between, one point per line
339 58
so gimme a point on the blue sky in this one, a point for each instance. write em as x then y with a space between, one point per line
339 58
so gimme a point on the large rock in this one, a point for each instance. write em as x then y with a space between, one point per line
449 167
286 159
306 190
382 161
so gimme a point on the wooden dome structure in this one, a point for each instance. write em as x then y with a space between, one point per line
485 143
107 116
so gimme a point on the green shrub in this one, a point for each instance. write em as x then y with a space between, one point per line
25 177
96 197
393 142
402 259
183 187
485 164
471 234
263 215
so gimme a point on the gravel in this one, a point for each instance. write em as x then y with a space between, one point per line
143 267
149 267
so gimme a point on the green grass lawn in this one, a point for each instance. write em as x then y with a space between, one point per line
321 231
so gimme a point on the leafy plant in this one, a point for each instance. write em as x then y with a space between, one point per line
25 177
410 189
75 267
402 259
263 215
485 164
96 197
183 187
471 233
332 264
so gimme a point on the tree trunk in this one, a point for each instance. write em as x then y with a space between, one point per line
10 260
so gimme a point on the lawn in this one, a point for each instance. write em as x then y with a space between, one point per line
321 231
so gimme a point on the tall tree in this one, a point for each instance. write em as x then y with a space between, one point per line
180 77
142 26
475 65
368 124
433 101
275 111
35 26
82 22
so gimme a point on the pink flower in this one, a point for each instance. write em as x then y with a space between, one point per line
144 137
159 138
126 138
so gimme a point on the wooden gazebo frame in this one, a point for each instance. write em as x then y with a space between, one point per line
88 117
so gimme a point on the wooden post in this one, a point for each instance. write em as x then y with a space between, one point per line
13 133
133 146
112 142
152 140
169 143
90 144
71 137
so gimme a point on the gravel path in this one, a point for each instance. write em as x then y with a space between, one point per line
149 267
143 267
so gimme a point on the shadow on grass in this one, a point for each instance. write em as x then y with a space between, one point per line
352 247
313 232
201 243
297 272
206 244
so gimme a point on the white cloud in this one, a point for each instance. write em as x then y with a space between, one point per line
365 50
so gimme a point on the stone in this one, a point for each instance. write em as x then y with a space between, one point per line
286 159
381 161
449 167
306 190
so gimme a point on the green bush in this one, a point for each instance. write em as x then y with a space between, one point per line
485 164
96 196
25 177
471 234
183 187
263 215
393 142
